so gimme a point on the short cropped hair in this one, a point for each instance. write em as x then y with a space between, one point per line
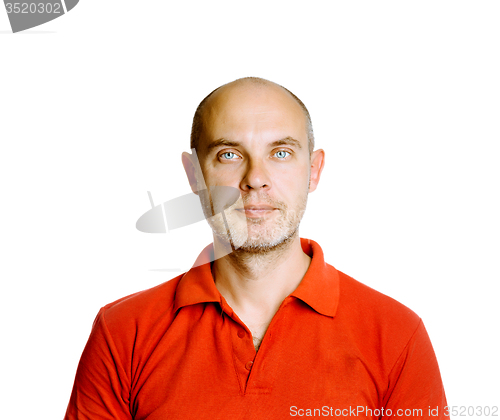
197 127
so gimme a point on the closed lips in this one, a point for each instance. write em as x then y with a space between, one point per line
258 207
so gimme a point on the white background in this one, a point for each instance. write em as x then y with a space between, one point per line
96 108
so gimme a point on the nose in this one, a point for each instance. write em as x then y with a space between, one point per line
256 177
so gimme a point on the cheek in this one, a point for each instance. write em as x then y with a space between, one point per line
221 177
292 188
214 176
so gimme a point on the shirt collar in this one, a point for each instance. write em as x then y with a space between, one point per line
319 288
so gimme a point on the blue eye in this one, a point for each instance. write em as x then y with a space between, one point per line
282 154
228 155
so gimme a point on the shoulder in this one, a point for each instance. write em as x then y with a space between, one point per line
359 299
375 320
144 307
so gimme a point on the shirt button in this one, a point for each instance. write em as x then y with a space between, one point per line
248 365
241 333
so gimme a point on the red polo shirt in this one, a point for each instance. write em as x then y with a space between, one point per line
335 348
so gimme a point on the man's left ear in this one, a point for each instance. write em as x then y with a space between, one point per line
317 164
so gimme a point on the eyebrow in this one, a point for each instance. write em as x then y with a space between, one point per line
229 143
287 140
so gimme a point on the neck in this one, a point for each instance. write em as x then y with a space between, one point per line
255 283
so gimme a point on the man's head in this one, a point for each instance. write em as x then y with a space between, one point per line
197 127
256 136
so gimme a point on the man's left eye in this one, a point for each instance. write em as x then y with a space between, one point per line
282 154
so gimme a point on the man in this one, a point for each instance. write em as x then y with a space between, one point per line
268 330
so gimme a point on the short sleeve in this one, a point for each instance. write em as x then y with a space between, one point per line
102 386
415 385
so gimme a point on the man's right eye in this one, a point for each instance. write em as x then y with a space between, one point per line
228 155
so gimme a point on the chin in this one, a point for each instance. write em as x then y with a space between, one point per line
261 245
257 235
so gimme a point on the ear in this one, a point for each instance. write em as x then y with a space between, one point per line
317 164
190 168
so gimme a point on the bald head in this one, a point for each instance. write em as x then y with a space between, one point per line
234 92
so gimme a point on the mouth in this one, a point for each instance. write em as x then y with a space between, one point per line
256 210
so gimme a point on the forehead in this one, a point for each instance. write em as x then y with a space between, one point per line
253 114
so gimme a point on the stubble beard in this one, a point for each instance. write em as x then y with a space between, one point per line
256 236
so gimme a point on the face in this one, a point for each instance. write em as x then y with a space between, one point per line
255 140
